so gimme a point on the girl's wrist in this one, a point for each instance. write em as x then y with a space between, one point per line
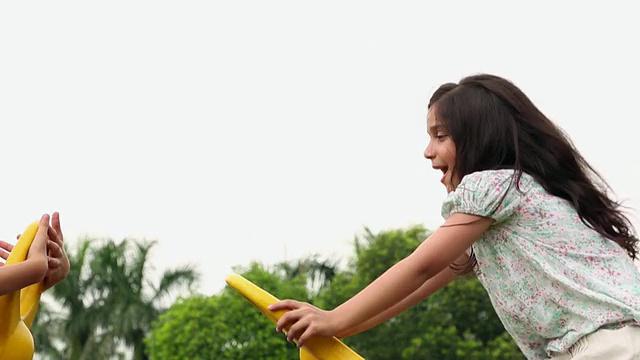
39 265
339 322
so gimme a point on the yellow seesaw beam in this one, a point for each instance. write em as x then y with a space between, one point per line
317 348
18 309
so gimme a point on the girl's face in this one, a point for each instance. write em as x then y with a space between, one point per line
441 151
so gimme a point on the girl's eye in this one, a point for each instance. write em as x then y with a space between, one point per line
441 137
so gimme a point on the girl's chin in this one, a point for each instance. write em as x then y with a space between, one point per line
445 181
450 188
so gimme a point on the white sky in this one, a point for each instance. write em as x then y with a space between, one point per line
226 130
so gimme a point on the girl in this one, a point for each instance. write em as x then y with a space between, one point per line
46 259
529 216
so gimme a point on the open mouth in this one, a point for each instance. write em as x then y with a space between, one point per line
445 170
444 174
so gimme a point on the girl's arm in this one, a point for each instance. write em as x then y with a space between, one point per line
429 287
444 246
17 276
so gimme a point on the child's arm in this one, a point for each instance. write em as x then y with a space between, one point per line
17 276
444 246
429 287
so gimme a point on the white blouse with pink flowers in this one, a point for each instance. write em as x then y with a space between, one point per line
551 279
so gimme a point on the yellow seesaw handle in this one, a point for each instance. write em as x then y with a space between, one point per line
317 348
18 309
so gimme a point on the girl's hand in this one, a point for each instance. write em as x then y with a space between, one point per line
304 321
38 249
58 260
5 249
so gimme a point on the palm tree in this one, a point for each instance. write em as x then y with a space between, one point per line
70 322
108 300
318 272
134 300
44 328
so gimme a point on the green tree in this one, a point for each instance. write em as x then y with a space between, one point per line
456 322
108 300
43 330
225 326
318 272
374 254
190 329
70 324
132 298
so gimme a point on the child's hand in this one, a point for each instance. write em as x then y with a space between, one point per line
58 260
304 321
5 249
38 249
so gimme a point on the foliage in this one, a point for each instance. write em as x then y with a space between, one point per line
109 307
107 302
456 322
225 326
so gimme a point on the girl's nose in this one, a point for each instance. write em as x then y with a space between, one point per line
428 152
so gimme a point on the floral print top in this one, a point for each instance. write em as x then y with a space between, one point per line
550 278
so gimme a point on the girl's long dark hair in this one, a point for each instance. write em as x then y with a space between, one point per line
494 126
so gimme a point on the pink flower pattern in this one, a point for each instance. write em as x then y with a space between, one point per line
550 278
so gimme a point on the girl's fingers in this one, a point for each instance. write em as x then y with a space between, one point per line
55 224
54 236
285 305
43 227
53 263
54 249
6 246
288 319
297 330
302 339
5 249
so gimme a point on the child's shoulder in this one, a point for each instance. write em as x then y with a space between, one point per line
496 180
488 193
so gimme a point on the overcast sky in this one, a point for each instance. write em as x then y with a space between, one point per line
253 130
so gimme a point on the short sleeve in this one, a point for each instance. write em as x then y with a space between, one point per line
490 193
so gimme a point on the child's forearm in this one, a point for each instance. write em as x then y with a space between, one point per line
429 287
434 255
390 288
17 276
